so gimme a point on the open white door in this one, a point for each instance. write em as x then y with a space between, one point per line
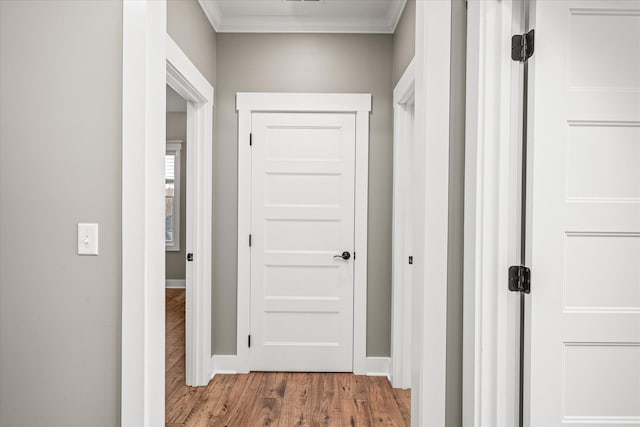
302 220
585 236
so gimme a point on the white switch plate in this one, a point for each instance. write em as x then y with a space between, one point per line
87 239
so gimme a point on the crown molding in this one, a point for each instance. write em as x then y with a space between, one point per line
213 13
301 24
395 14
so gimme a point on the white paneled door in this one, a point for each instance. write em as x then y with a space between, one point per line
585 258
302 221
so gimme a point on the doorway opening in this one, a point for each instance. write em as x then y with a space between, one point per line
144 58
175 244
188 83
407 193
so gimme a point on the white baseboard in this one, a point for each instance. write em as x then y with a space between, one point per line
227 364
379 367
223 364
175 283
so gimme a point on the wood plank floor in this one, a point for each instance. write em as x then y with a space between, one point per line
274 398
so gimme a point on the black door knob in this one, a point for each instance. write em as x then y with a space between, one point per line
345 255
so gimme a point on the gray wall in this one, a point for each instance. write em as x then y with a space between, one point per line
404 41
175 260
60 164
189 27
303 63
456 213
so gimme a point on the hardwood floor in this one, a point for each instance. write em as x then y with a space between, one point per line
274 398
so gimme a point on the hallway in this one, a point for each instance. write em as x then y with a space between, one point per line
274 398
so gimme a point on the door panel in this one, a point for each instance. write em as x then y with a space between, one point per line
585 301
302 214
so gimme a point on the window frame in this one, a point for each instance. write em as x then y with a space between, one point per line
175 148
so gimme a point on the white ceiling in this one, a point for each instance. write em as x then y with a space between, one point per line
303 16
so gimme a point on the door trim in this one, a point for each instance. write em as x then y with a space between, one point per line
404 132
142 399
360 104
491 217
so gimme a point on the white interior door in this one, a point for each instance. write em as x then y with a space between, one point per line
585 254
302 216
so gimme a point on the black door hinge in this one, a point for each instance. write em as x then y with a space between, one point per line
519 279
522 46
249 240
250 139
249 341
189 257
410 259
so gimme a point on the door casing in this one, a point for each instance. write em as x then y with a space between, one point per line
360 104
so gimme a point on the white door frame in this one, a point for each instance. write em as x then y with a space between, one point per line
429 295
143 252
150 61
248 103
184 78
404 130
492 216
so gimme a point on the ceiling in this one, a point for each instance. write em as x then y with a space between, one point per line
303 16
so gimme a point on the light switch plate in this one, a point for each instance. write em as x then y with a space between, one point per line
87 239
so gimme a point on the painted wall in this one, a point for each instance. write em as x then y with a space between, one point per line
60 164
189 27
303 63
456 213
175 260
404 41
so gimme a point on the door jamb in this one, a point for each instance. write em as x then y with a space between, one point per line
404 132
492 217
360 104
188 82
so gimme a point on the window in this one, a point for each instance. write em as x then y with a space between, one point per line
172 195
